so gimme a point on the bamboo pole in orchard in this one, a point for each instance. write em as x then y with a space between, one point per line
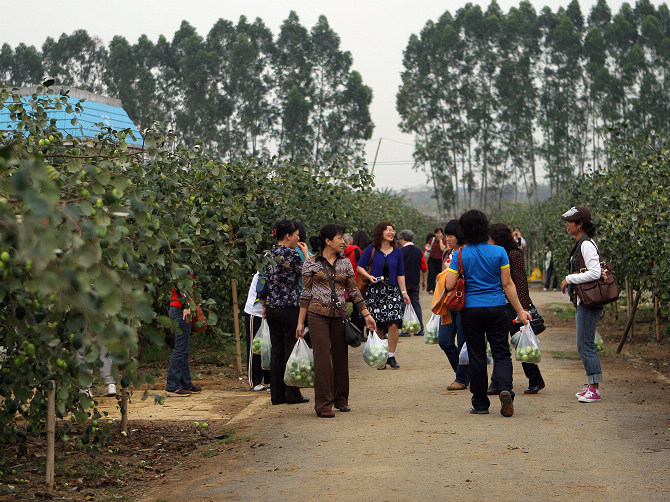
629 306
236 324
51 434
124 411
657 311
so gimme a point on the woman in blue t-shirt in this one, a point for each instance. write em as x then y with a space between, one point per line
384 296
487 282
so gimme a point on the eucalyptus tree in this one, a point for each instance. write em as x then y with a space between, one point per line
292 69
76 60
21 66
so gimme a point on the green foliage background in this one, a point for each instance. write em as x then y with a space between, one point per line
94 235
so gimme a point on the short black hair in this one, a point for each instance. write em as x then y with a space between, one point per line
451 228
329 232
475 226
438 229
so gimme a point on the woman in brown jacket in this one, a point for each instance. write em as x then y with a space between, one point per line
326 327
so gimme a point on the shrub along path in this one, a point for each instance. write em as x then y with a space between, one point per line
407 437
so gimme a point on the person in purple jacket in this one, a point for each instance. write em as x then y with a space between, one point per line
386 292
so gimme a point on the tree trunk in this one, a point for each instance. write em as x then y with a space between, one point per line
629 326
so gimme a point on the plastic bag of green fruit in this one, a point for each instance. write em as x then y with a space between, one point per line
257 341
299 370
432 329
410 321
528 349
600 343
375 351
263 346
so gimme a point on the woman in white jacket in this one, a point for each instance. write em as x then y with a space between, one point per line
584 267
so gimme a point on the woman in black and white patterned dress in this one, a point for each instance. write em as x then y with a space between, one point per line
386 292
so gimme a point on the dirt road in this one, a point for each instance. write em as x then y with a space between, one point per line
408 438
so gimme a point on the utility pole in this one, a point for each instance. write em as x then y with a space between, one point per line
376 153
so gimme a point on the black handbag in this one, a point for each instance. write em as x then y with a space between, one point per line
537 322
352 334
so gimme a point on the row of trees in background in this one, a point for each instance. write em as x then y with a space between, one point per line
94 236
630 203
240 89
492 96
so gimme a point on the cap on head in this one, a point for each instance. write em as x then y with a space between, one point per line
577 213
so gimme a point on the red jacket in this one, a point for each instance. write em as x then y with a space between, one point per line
354 253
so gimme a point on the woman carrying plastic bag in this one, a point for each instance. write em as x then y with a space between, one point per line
299 370
375 350
430 334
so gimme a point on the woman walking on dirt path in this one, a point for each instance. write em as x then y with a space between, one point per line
450 336
281 307
501 235
487 282
326 329
438 244
584 267
386 292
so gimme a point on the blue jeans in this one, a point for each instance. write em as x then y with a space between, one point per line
587 321
445 337
179 374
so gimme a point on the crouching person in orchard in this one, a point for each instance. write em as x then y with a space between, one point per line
326 327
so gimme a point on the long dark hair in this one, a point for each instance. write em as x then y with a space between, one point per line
361 239
378 232
502 236
329 232
589 228
475 226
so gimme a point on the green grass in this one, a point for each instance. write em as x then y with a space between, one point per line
209 453
560 354
562 311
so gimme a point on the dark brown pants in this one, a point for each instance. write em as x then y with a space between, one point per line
282 324
331 362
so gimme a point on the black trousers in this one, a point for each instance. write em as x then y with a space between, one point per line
434 268
492 323
255 373
550 272
531 370
282 323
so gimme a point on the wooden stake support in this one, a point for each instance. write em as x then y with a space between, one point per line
236 323
51 434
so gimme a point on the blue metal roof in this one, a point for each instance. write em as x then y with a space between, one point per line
93 112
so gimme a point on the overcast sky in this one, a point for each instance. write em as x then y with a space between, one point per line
374 31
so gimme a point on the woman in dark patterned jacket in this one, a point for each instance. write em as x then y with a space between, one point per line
281 307
501 235
326 328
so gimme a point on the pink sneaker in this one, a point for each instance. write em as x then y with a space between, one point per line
592 396
584 391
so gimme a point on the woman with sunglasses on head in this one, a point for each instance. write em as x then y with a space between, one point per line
386 290
584 267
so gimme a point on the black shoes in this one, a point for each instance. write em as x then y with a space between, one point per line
534 389
506 405
474 411
493 390
299 401
392 363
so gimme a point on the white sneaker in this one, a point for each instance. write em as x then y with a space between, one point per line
111 390
259 387
591 396
86 391
584 391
